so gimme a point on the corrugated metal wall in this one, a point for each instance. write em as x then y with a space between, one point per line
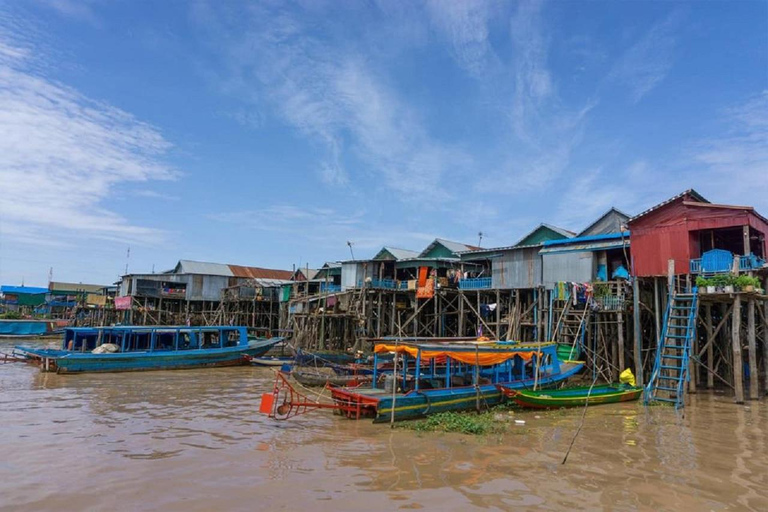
578 267
520 268
349 275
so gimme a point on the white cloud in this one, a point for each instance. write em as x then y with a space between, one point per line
62 155
647 62
533 81
465 24
736 160
324 88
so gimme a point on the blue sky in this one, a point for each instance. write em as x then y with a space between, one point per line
271 133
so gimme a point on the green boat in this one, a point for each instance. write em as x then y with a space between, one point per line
566 352
572 397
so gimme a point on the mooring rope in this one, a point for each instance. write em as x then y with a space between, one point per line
581 423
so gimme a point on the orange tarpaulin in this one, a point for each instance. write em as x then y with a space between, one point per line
479 357
423 271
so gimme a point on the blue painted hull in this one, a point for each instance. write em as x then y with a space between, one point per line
24 328
416 404
63 361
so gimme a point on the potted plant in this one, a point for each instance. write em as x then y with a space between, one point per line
747 283
705 285
729 283
718 282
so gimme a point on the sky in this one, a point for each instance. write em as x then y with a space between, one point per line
137 133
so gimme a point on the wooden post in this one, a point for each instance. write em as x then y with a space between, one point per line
738 365
754 379
498 314
670 276
638 331
657 309
620 328
461 313
745 234
765 337
710 347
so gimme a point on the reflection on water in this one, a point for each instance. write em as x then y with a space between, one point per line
193 440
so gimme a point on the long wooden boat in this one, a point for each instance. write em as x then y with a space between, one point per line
567 352
572 397
467 380
30 328
316 379
272 360
138 348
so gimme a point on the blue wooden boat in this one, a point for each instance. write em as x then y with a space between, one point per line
27 328
137 348
459 376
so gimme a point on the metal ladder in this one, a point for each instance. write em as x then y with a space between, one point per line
670 370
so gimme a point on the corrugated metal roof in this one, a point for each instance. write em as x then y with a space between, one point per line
560 231
454 247
226 270
399 254
507 248
75 287
265 283
260 273
591 238
308 273
690 192
30 290
620 216
586 246
202 267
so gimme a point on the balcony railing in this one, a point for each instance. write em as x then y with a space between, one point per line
382 284
329 288
475 283
718 261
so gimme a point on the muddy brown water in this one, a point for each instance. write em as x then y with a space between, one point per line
194 440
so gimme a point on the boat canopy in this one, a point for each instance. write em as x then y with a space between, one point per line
475 354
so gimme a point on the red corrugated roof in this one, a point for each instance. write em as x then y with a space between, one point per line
259 273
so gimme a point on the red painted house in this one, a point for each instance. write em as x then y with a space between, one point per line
687 225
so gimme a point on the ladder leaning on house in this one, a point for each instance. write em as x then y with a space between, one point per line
670 371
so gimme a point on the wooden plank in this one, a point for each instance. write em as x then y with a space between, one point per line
754 379
738 365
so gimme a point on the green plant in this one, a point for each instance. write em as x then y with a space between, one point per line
723 280
11 315
703 282
744 281
470 423
601 290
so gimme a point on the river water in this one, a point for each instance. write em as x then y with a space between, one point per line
194 440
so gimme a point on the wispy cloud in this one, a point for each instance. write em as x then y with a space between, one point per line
533 81
465 25
736 161
647 62
63 153
331 93
323 227
80 10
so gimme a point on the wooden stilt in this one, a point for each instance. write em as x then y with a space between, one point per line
765 339
738 365
620 332
754 379
638 333
710 347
